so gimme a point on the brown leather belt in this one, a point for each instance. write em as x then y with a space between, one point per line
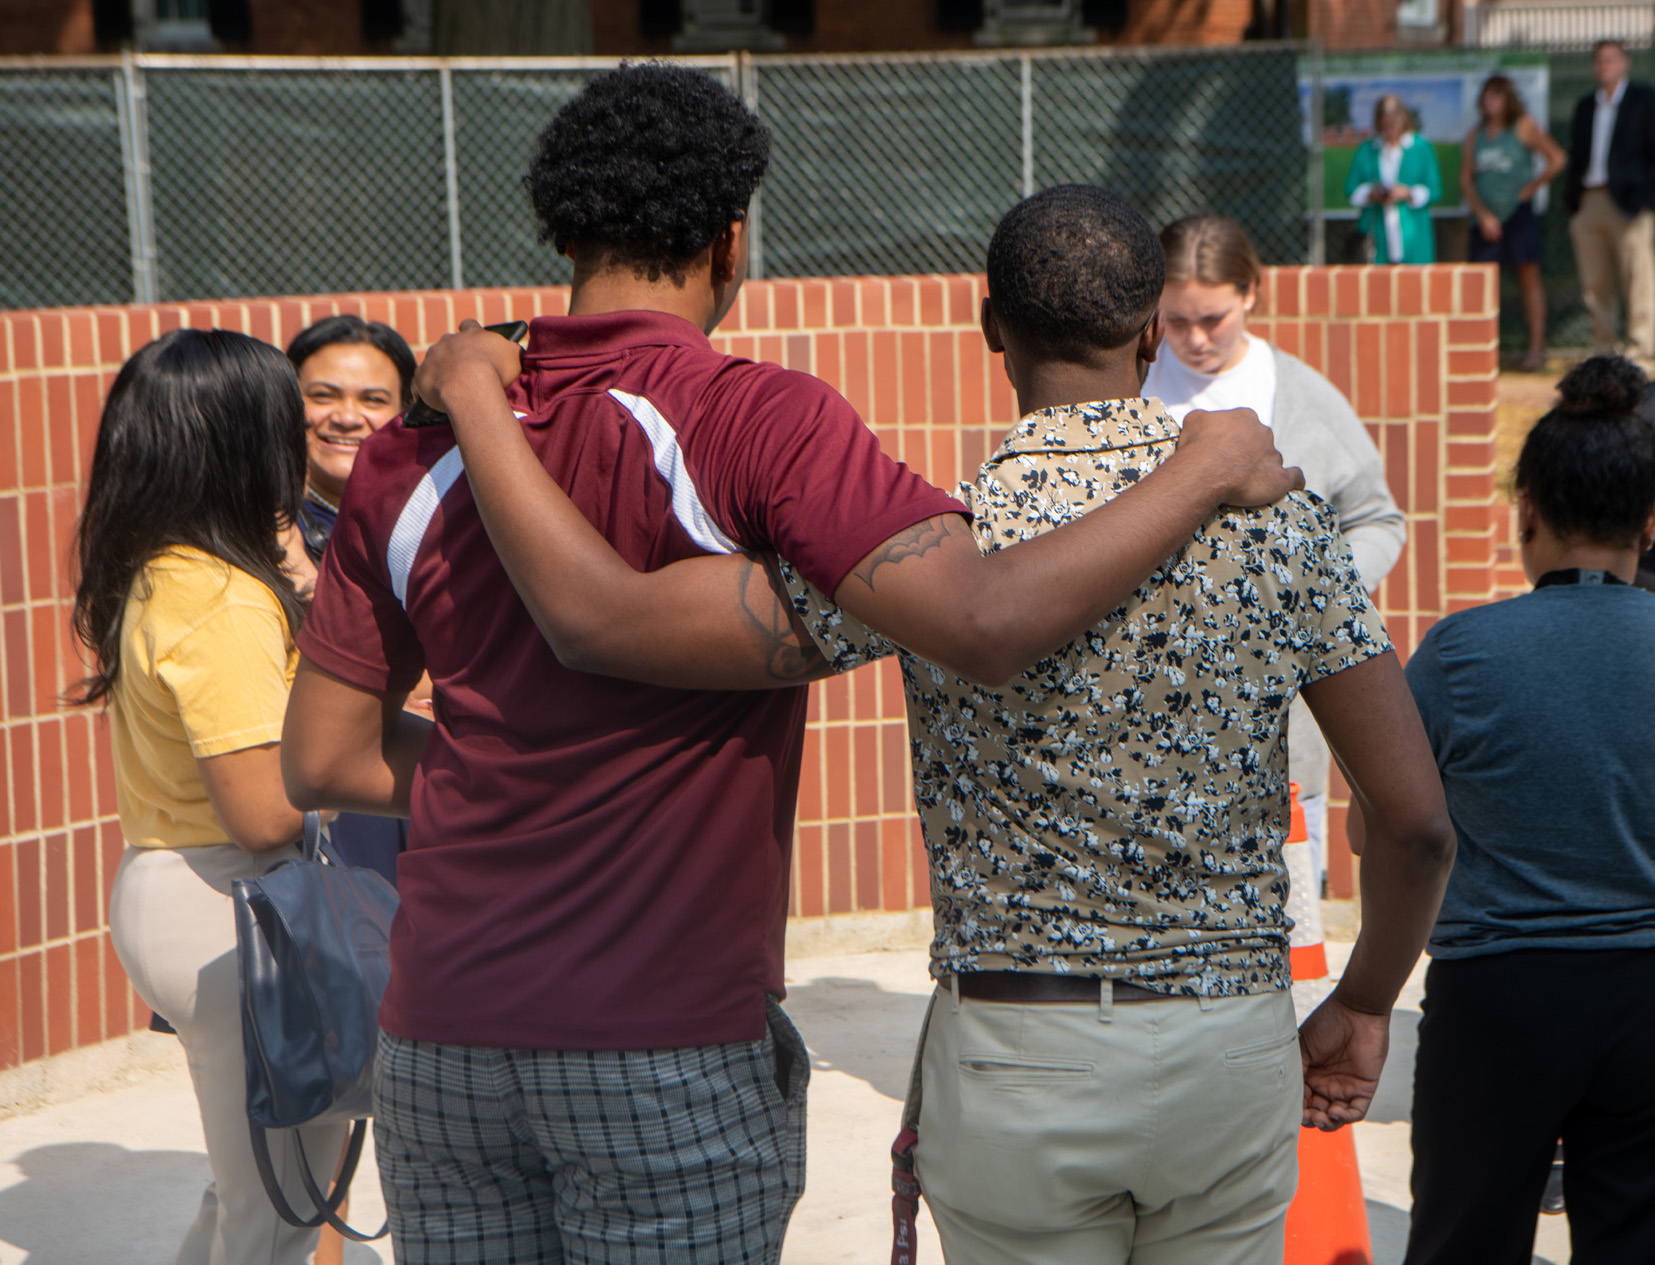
1022 987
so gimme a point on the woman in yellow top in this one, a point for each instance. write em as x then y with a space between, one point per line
189 617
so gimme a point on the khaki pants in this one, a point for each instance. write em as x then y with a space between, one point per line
1612 248
1155 1132
173 927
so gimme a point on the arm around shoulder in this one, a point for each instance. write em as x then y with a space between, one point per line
990 617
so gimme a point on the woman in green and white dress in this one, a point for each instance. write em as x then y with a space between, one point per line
1394 179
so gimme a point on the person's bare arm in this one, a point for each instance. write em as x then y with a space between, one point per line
1486 223
348 748
1369 719
1541 142
245 789
704 623
990 616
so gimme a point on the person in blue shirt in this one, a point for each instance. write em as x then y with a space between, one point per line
1539 1012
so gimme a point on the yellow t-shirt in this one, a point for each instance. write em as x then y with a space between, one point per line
206 664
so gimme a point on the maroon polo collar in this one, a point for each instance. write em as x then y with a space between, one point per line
566 338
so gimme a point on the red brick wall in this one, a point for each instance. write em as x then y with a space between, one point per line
281 27
1206 22
1413 347
1353 23
316 27
46 26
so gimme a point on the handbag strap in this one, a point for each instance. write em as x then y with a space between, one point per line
327 1206
313 836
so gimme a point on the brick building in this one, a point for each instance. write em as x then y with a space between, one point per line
657 27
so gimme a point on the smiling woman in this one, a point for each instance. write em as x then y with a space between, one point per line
355 376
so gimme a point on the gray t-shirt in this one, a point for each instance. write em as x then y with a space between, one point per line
1539 710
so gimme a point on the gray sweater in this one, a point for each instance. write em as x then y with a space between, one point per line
1318 431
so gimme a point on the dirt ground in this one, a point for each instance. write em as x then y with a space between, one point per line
1521 399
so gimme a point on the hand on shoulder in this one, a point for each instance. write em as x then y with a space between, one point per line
1240 452
471 359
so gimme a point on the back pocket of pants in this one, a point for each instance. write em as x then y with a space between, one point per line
1000 1069
1265 1053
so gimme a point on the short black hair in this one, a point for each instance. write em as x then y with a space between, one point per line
1588 466
650 163
346 328
1075 270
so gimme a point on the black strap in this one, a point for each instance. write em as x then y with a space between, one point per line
1574 575
327 1206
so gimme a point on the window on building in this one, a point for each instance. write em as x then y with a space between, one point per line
716 26
1034 22
172 26
1417 13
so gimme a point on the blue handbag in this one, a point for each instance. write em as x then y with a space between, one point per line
312 945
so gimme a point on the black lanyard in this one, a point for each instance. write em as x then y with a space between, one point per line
1574 575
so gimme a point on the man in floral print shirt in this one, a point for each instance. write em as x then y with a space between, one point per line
1108 1070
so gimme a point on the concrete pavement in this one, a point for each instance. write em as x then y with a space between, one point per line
114 1176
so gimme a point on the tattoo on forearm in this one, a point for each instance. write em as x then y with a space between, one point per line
915 542
789 653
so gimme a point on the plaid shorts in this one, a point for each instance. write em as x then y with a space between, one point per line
587 1156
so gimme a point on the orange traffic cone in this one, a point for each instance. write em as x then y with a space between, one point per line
1327 1222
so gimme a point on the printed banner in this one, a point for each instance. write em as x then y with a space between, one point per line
1441 90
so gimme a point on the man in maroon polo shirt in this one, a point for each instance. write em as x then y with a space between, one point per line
583 1057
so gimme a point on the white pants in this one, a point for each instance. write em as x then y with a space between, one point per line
1155 1132
173 928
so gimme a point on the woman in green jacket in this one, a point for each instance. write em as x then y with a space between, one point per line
1394 178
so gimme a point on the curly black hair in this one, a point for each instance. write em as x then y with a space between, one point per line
1588 466
649 164
1075 270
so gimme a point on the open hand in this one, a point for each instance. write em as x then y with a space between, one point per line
467 357
1343 1051
1244 453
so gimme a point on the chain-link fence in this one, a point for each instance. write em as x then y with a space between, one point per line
167 178
905 164
65 233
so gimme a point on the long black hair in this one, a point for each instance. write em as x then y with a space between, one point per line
201 443
346 328
1588 466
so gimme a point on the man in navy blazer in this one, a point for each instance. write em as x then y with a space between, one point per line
1610 193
